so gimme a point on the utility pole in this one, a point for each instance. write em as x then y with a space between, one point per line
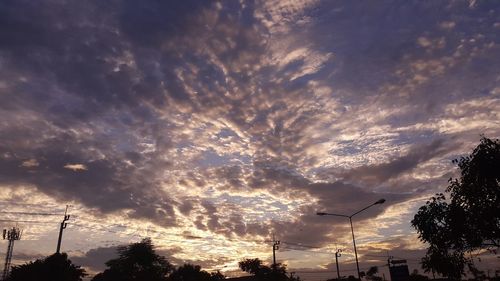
337 256
275 247
11 235
63 226
389 258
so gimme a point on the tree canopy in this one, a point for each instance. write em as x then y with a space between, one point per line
415 276
276 272
469 220
56 267
371 274
189 272
136 262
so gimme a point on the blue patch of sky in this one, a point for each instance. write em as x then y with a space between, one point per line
403 226
224 133
125 144
406 118
122 140
210 158
415 137
183 144
242 159
256 203
350 147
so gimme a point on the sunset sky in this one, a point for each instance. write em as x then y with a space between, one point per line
209 126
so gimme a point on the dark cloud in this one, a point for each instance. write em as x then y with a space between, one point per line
136 97
95 259
307 227
150 24
94 74
95 183
23 256
370 48
186 207
337 198
376 174
213 218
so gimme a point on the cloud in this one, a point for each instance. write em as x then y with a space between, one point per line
447 24
239 119
94 259
75 167
30 163
77 92
379 173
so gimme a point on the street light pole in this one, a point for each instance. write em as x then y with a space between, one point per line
337 256
381 201
355 251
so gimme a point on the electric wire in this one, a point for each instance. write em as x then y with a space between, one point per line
31 213
293 246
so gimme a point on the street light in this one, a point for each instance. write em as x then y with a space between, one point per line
381 201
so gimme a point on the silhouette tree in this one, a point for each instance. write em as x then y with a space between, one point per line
189 272
136 262
56 267
470 220
370 274
216 276
414 276
352 278
276 272
349 278
478 274
254 267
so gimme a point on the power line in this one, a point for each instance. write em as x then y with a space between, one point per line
188 237
310 250
331 271
376 256
127 227
302 245
26 221
159 232
13 203
118 232
29 213
296 246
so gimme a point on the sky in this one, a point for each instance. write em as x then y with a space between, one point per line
210 126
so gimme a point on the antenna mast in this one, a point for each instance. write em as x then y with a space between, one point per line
11 235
